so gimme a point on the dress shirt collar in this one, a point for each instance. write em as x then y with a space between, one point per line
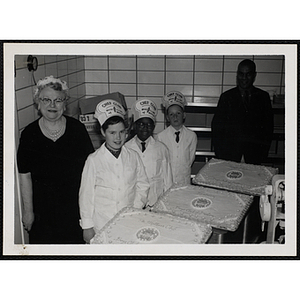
115 153
138 141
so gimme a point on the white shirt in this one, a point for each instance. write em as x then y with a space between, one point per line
109 184
182 154
156 160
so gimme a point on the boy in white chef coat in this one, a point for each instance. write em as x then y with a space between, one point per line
180 141
113 176
154 154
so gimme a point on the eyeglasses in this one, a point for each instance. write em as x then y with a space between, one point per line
57 101
143 125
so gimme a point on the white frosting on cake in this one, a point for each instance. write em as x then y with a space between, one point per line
238 177
219 208
137 226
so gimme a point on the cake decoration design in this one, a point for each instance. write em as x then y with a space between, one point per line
218 208
147 234
235 174
137 226
237 177
201 202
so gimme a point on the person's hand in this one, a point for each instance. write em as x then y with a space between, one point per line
88 234
27 220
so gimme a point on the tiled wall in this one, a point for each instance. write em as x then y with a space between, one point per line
68 68
199 78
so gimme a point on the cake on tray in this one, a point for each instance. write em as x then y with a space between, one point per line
137 226
219 208
238 177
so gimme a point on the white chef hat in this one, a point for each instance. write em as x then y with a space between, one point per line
145 108
172 98
107 109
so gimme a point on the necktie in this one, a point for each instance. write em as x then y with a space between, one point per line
247 98
177 136
143 146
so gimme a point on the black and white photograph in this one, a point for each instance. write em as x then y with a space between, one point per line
150 149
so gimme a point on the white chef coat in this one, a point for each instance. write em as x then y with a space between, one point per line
108 184
156 160
182 154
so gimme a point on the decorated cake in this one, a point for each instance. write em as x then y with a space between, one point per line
238 177
137 226
219 208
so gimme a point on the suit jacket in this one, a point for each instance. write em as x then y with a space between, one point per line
245 129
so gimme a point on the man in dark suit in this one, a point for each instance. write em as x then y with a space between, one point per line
242 126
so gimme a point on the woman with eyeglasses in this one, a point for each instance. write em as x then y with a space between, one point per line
51 156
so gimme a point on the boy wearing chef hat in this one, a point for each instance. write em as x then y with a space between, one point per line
154 154
180 141
113 176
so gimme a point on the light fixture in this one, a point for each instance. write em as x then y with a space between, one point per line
32 63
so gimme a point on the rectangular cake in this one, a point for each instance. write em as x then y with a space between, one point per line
238 177
137 226
219 208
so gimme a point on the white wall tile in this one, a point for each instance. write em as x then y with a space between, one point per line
179 64
270 79
23 79
96 89
73 92
212 57
81 90
150 63
208 78
51 69
179 78
72 80
80 63
122 76
81 77
40 73
122 63
150 77
268 65
21 61
62 68
24 97
238 57
95 62
229 78
150 90
50 58
72 65
212 91
267 57
96 76
26 116
209 65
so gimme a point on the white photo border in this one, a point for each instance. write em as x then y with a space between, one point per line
289 50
